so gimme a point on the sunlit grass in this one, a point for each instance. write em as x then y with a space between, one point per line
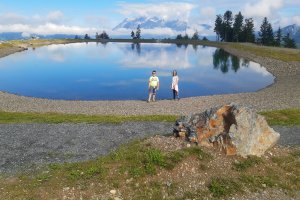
287 117
271 52
15 117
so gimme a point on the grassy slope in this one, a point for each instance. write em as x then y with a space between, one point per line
11 117
136 169
287 117
278 117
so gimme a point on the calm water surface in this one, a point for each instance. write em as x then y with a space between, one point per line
119 71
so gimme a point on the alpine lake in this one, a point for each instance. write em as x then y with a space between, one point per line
120 71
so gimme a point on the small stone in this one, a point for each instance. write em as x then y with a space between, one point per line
188 145
113 192
168 183
129 180
117 198
264 185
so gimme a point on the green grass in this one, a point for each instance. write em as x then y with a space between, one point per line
14 117
288 117
283 54
138 161
221 187
247 163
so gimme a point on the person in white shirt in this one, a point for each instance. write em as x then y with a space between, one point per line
174 86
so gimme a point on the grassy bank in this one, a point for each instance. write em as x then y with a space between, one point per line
139 171
283 54
286 117
12 117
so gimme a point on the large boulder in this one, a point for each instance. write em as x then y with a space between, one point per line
233 129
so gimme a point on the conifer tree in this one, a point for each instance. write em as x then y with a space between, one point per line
266 33
132 35
237 27
227 21
248 31
138 32
218 26
289 42
195 36
278 37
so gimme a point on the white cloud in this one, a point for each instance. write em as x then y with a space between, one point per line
12 18
296 20
262 8
166 10
208 12
55 17
46 29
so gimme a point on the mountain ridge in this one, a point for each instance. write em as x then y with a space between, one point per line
151 23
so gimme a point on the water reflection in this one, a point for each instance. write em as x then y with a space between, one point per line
113 71
136 46
224 61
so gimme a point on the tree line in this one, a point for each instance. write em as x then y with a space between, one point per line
103 35
195 36
231 28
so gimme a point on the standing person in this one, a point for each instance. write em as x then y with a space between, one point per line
153 86
174 86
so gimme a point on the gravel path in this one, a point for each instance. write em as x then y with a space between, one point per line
289 135
22 146
25 147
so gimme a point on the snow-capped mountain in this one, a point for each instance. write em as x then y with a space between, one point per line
293 30
152 23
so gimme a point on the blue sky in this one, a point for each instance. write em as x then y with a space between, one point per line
79 17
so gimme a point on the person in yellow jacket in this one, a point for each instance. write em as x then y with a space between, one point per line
153 86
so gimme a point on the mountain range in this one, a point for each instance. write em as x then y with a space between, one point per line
20 36
151 23
146 23
294 32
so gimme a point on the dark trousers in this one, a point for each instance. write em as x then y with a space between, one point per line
174 94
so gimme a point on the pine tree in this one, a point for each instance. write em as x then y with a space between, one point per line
179 37
237 27
227 21
87 37
289 42
103 35
270 35
248 31
218 26
132 35
195 36
278 37
138 32
185 37
266 33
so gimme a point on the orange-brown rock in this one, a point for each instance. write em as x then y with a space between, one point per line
230 128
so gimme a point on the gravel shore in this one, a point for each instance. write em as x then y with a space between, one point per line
284 93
